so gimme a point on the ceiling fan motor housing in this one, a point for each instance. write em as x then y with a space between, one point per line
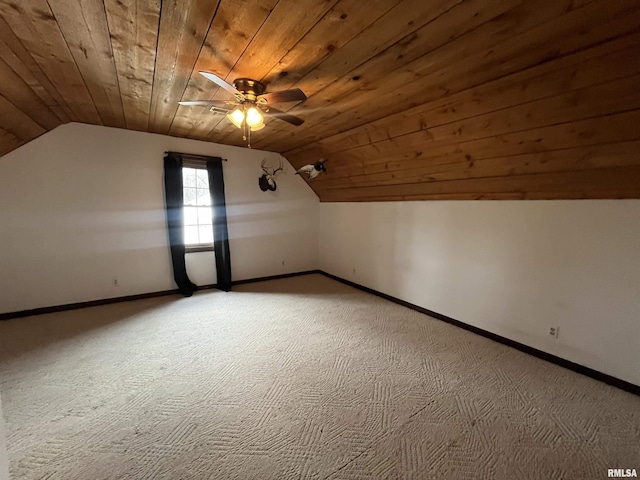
251 89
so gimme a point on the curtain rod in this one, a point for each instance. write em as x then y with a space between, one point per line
194 156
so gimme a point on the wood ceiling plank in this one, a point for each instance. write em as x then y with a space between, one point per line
183 28
16 122
329 197
572 195
418 151
476 66
401 22
599 100
521 58
84 26
9 142
448 21
609 61
345 20
581 158
458 165
286 24
35 25
614 193
23 97
446 36
233 28
133 28
615 179
18 58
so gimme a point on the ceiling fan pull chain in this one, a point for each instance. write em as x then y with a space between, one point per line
246 136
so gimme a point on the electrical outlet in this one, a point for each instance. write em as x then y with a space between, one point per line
354 271
283 263
554 332
116 282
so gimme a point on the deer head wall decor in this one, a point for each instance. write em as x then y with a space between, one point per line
268 179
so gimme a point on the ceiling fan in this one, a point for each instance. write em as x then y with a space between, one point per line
251 103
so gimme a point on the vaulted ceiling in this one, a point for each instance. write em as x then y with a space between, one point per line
408 99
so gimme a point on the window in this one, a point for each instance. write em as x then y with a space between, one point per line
198 228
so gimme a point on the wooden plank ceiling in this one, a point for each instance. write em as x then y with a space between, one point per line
408 99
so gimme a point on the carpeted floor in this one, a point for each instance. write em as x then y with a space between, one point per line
302 378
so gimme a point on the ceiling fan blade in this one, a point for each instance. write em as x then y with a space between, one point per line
221 83
292 119
207 103
293 95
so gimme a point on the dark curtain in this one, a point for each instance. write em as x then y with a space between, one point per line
220 232
175 222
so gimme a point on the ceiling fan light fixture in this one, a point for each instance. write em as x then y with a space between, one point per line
251 103
236 117
255 119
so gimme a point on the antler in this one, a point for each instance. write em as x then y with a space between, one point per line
280 167
273 171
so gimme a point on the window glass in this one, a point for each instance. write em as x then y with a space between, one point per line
198 230
203 197
191 215
191 235
189 177
190 196
204 215
206 234
202 178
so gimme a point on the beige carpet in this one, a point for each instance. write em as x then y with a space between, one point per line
302 378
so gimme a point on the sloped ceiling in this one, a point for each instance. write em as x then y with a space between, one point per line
408 99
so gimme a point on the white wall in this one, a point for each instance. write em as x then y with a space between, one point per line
84 204
512 268
4 460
